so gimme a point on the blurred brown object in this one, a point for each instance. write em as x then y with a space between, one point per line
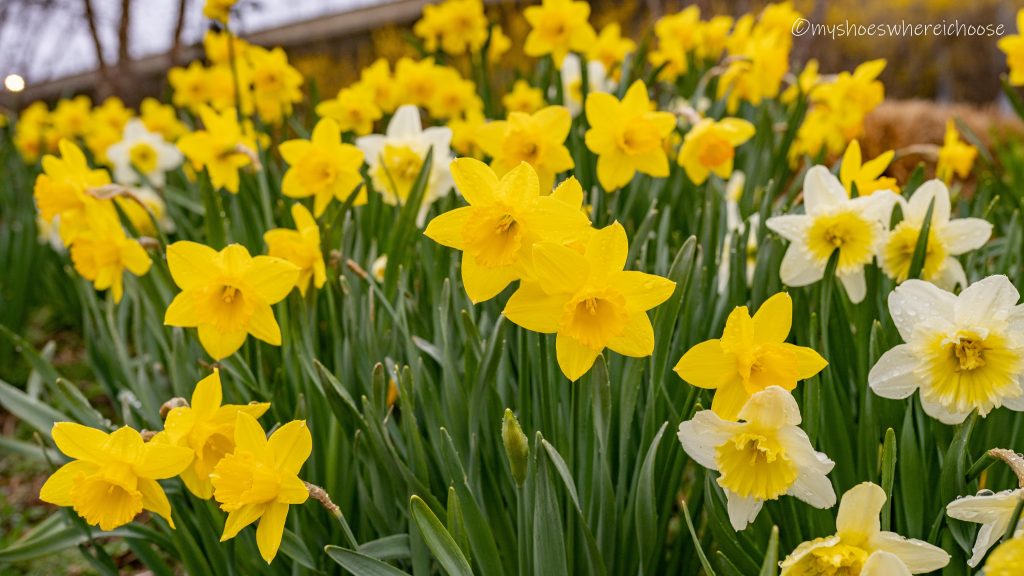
898 124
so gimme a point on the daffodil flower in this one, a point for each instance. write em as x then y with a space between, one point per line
227 295
218 147
763 457
259 480
627 136
955 156
831 222
947 238
503 221
537 139
112 477
207 428
145 152
571 71
523 98
751 355
301 247
323 167
396 158
557 28
1006 559
353 109
994 511
102 255
1013 47
866 175
588 300
963 353
62 190
710 147
859 545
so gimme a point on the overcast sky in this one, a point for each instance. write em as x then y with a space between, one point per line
46 39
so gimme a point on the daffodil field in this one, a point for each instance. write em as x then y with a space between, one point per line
644 308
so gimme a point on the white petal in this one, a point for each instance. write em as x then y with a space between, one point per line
701 435
920 557
876 207
812 484
915 301
917 207
893 375
772 408
792 227
950 275
799 268
985 509
856 286
371 146
405 122
992 298
1016 403
742 511
966 234
942 413
822 190
806 548
859 510
882 563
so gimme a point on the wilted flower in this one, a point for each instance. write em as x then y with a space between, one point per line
964 353
762 458
751 355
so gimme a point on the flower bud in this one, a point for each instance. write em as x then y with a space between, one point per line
517 447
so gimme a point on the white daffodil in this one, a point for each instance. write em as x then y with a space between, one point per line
142 151
832 221
761 458
572 81
396 158
734 223
946 239
994 511
963 352
859 545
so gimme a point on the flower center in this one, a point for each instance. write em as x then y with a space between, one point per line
495 238
240 479
593 318
839 560
143 157
755 465
399 167
228 294
106 502
899 252
849 232
969 370
715 151
639 137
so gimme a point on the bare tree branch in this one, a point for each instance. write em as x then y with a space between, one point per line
178 28
90 18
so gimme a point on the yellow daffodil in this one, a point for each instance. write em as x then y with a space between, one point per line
832 221
63 190
377 78
259 480
947 239
70 119
354 109
755 73
859 546
627 136
300 247
102 255
190 86
454 26
230 88
454 95
963 352
537 139
112 477
220 147
994 511
955 156
1007 559
588 300
676 36
712 36
464 132
761 458
611 48
866 175
220 45
838 108
557 28
523 98
218 10
416 80
208 429
227 295
751 355
1013 47
499 46
710 147
323 167
805 82
162 119
277 85
503 221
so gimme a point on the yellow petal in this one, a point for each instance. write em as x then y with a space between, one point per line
80 442
534 309
475 180
293 151
270 530
808 361
249 435
601 108
482 283
291 445
850 167
154 499
520 184
218 344
559 269
263 325
303 219
570 192
182 311
446 229
293 490
57 489
238 519
643 291
192 264
707 365
573 358
271 278
607 250
199 487
207 396
638 338
773 319
159 461
729 400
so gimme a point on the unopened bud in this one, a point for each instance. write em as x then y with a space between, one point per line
517 447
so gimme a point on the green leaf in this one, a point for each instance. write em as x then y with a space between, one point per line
888 474
646 507
394 547
35 413
548 536
438 540
361 564
770 566
921 248
696 540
